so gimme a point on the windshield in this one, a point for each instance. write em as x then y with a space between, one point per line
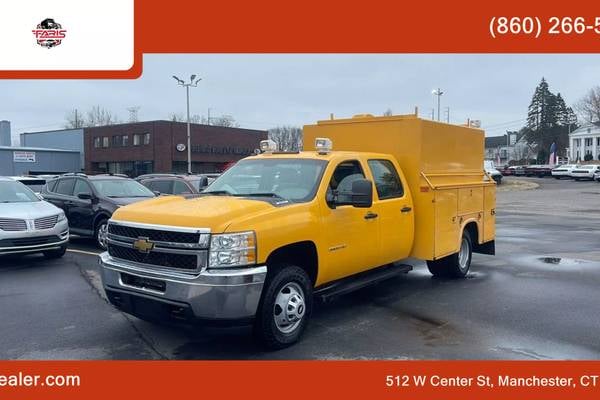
121 188
16 192
291 179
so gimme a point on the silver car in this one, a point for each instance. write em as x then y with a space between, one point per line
28 224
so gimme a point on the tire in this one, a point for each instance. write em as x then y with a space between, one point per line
100 233
289 286
455 265
54 254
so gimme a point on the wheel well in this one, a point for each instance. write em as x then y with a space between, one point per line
302 254
98 218
473 230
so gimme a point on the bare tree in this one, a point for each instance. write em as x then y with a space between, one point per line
589 105
99 116
194 118
74 120
224 120
388 113
288 138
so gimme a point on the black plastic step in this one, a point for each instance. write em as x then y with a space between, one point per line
359 281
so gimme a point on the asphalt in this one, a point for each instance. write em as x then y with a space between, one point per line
536 299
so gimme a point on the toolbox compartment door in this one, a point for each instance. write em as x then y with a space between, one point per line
446 222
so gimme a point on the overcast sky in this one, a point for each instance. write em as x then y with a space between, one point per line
262 91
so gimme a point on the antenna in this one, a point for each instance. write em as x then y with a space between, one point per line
133 113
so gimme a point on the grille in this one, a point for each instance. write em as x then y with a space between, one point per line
154 235
33 241
46 222
13 225
168 260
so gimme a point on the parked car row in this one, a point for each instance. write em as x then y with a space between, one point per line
578 172
37 214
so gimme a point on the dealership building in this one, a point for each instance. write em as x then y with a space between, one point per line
151 146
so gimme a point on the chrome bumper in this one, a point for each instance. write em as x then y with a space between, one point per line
212 294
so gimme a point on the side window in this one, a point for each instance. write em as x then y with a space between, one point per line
387 181
340 185
81 186
164 187
180 187
65 187
51 184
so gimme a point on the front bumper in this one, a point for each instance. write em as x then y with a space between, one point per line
154 294
23 242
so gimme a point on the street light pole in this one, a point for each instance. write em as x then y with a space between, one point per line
192 83
438 92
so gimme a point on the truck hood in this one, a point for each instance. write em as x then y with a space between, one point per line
213 212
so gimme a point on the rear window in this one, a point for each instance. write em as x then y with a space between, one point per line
65 186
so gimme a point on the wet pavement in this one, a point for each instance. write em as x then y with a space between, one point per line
536 299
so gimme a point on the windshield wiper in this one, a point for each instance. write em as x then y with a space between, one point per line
218 192
261 194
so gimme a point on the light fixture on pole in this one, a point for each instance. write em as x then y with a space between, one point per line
438 92
193 83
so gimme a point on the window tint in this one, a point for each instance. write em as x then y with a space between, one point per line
81 186
65 186
180 188
164 187
341 181
387 181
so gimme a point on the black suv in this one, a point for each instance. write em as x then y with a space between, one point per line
175 183
89 201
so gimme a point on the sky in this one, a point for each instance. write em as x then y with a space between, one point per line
262 91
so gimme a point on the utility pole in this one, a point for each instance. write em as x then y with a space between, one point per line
447 112
208 118
433 114
76 120
438 92
193 83
133 113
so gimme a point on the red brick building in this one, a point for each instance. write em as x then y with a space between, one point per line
160 146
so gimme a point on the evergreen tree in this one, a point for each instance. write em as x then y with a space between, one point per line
549 120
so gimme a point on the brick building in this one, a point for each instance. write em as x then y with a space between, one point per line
160 146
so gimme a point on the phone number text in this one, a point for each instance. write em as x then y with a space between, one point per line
536 27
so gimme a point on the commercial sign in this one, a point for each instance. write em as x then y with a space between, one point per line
24 156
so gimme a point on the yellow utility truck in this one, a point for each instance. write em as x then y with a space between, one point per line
279 229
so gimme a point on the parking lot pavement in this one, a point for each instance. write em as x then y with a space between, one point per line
536 299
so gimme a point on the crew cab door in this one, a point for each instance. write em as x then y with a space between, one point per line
351 233
394 207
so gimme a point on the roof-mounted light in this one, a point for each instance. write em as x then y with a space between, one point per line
323 145
268 146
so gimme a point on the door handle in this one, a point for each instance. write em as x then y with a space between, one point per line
406 209
371 215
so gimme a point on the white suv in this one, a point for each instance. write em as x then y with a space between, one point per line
29 224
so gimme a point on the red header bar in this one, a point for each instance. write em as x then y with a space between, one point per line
300 379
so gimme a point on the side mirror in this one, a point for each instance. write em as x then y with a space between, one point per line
84 196
362 193
156 193
203 182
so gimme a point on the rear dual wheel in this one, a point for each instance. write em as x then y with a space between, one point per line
455 265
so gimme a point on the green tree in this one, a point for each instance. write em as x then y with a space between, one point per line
549 120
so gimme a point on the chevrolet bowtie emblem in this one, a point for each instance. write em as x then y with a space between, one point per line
143 245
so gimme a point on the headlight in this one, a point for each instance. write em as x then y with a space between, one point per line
232 250
61 217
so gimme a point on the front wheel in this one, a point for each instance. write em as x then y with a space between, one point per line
285 307
455 265
58 253
101 233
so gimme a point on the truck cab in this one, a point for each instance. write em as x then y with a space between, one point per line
277 227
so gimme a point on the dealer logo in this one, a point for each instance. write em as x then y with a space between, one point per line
49 33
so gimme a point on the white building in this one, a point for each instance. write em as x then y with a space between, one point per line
584 140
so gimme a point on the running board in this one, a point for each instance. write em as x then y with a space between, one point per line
359 281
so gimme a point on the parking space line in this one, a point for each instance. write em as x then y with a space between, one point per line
89 253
